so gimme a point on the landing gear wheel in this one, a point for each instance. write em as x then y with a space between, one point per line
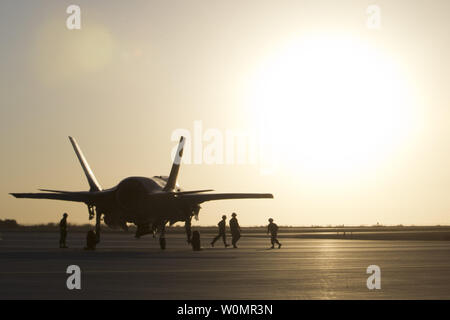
162 243
97 226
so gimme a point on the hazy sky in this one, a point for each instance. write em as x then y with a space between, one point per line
357 119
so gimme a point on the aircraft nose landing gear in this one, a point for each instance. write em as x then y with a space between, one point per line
145 228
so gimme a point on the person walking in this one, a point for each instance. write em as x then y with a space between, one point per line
272 228
222 226
235 230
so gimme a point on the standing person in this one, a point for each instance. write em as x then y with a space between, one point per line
272 228
63 231
221 234
235 230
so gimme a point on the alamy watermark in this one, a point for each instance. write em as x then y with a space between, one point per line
374 281
223 147
373 21
74 280
73 21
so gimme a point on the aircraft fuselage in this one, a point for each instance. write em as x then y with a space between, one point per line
130 202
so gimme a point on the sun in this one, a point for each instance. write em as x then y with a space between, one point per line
330 105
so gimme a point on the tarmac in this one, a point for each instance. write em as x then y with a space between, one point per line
33 267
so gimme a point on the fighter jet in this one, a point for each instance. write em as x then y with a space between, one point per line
149 203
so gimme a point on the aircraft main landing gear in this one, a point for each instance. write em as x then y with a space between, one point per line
187 227
93 213
162 238
162 243
97 226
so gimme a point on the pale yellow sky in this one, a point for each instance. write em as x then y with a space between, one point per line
138 71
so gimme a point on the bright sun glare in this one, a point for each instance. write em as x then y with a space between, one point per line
331 105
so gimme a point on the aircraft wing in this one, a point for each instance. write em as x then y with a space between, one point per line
67 196
199 198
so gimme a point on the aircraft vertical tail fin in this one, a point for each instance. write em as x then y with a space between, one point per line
172 180
93 183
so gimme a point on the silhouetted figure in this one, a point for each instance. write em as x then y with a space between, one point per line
91 240
272 228
221 234
195 241
63 231
235 230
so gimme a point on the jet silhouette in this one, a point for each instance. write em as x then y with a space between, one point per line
149 203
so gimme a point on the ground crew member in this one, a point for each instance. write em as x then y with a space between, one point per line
272 228
235 230
221 234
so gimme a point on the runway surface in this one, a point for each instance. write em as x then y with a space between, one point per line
127 268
